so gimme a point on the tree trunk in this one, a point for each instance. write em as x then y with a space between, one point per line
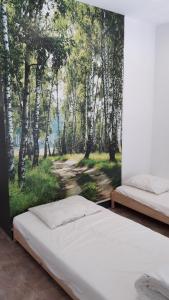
105 80
24 133
74 104
50 154
39 73
48 122
30 141
95 110
58 114
90 117
117 88
57 143
64 148
7 94
88 147
112 152
86 110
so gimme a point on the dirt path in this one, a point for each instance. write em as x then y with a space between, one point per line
69 172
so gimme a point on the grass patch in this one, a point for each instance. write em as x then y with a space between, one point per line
77 157
89 191
59 158
84 178
40 187
95 158
43 187
114 173
88 186
101 162
90 163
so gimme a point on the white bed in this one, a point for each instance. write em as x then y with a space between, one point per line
99 257
157 202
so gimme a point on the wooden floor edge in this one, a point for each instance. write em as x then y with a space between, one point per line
20 239
117 197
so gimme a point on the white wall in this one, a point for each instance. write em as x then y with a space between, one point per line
160 142
139 61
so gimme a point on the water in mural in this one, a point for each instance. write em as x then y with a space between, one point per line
62 82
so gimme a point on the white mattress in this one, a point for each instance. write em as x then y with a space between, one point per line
157 202
100 256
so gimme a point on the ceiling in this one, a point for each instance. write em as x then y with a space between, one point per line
154 11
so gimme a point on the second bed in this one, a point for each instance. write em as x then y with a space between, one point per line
152 205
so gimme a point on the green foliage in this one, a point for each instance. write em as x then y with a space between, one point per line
89 191
113 172
40 187
90 163
60 158
88 186
84 178
100 161
110 169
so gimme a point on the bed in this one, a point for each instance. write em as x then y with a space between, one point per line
152 205
97 257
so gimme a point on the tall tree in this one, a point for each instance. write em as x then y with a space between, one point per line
41 59
24 125
7 91
58 113
46 147
116 70
46 46
105 75
91 89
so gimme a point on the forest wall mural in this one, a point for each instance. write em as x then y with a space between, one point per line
61 67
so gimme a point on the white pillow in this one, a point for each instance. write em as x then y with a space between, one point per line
64 211
149 183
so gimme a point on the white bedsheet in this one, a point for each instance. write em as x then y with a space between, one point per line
157 202
100 256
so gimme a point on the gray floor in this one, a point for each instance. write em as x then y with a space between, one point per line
139 218
21 278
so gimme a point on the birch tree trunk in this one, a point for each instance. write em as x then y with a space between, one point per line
24 132
57 143
50 154
105 77
86 109
39 73
58 113
101 129
64 148
117 88
89 144
30 141
46 148
74 106
7 93
95 110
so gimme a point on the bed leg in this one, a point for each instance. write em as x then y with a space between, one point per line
112 201
14 236
113 204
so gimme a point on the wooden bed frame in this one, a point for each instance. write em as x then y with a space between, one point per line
20 239
117 197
